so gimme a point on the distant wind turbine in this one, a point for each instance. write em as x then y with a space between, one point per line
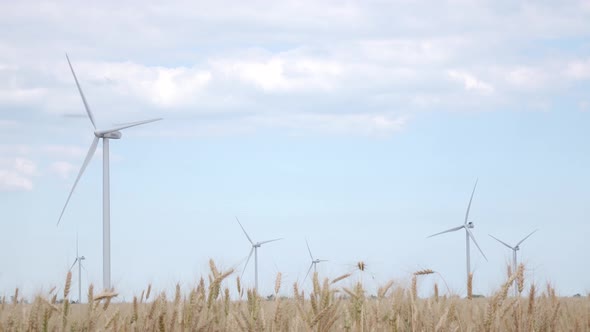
106 135
254 250
314 262
467 225
514 249
78 260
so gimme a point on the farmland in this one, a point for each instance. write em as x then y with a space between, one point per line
332 305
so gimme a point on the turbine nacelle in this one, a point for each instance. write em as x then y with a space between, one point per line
110 134
470 225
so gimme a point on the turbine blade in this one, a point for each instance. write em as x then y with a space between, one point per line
307 274
521 241
73 264
249 239
448 230
77 245
129 125
247 261
504 243
470 199
263 242
323 260
86 161
477 245
310 255
82 94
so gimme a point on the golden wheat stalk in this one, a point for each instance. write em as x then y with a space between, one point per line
105 295
470 286
278 283
68 284
520 278
340 278
423 272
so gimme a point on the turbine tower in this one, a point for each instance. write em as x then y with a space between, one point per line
514 250
78 260
254 250
467 225
314 262
105 135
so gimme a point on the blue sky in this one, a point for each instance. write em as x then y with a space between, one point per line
360 126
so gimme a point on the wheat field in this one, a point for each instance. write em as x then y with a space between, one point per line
329 306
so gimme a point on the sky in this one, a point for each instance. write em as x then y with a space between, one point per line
360 126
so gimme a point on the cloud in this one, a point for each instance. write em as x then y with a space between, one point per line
13 181
470 82
283 73
294 124
63 151
291 59
22 95
579 69
18 168
376 125
526 77
16 174
63 169
19 149
161 86
25 166
406 51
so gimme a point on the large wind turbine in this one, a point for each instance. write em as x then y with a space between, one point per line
467 225
254 250
514 249
106 135
78 260
314 262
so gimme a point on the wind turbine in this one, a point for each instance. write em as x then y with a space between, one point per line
78 260
467 225
314 262
514 249
254 250
106 135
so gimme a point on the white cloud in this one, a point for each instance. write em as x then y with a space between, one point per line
22 95
283 73
376 125
64 151
175 86
161 86
25 166
526 77
418 51
16 174
11 149
63 169
579 69
267 55
470 82
296 124
13 181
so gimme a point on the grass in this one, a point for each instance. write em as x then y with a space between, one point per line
328 307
